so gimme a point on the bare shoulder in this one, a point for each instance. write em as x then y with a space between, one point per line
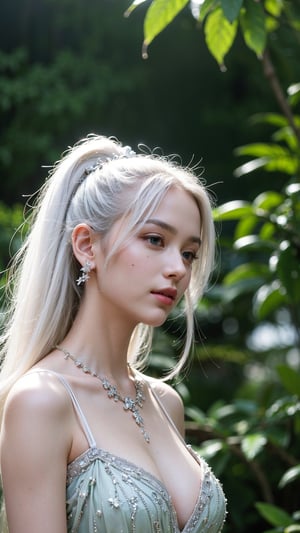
37 403
171 401
36 437
38 392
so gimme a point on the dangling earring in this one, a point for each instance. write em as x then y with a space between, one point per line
85 273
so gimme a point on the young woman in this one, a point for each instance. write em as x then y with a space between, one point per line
88 443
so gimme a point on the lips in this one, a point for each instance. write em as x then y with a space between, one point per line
168 292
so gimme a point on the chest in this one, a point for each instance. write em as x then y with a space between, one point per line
165 457
109 494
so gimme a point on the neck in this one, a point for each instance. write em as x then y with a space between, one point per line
101 346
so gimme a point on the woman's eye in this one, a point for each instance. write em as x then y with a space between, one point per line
154 240
189 256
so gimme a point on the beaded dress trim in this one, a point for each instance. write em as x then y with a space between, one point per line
131 473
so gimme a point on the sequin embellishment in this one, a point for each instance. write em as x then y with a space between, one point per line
108 494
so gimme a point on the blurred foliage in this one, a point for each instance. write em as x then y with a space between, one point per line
267 231
251 433
57 95
66 71
222 19
11 219
250 442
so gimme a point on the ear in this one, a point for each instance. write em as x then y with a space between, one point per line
83 239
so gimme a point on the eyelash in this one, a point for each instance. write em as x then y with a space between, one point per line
158 238
193 257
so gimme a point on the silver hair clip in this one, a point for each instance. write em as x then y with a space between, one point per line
97 165
126 153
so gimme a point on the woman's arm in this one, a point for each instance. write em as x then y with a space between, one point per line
35 441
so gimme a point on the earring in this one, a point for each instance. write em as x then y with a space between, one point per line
85 273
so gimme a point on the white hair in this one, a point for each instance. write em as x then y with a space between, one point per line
95 183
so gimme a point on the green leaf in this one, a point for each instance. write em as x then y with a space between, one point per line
246 407
261 150
220 409
254 27
288 271
253 242
158 16
267 200
296 515
233 210
246 271
272 24
267 231
274 515
132 7
253 444
277 434
195 414
250 166
289 476
245 226
205 8
294 94
210 448
240 288
274 7
293 189
293 89
287 136
290 379
271 156
283 408
275 119
285 163
267 299
219 35
231 8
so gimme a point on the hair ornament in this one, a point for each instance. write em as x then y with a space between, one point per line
100 162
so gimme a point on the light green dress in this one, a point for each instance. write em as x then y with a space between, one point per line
108 494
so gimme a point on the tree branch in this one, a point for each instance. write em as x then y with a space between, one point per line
283 454
271 76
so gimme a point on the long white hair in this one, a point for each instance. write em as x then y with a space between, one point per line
97 183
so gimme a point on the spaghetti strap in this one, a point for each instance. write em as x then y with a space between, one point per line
81 416
188 446
161 405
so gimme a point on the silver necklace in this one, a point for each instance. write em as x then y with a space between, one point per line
129 404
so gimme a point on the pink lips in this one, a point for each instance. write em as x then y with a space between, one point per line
166 296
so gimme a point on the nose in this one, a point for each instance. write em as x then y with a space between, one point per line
174 266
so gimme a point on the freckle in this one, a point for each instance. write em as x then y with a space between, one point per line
132 264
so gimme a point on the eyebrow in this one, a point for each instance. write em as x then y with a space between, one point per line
171 229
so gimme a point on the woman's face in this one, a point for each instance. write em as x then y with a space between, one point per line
145 279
